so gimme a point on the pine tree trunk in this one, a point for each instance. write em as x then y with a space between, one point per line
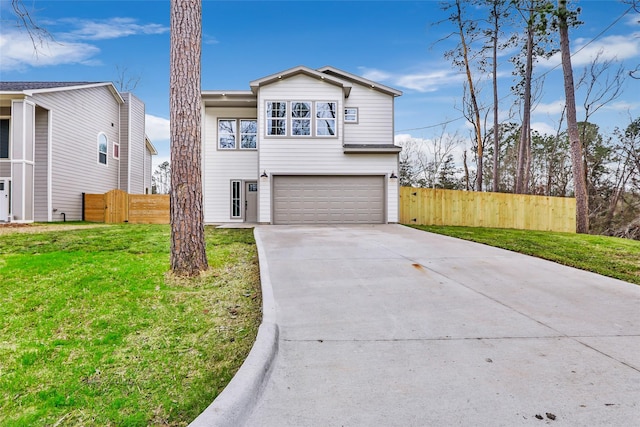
496 130
582 201
524 148
188 254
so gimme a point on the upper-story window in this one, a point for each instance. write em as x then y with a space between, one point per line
103 143
351 115
228 134
300 118
276 118
116 150
4 138
248 133
326 118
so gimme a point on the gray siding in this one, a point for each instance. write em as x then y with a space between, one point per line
124 143
5 169
148 160
77 117
41 188
137 146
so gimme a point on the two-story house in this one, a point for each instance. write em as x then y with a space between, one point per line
61 139
302 146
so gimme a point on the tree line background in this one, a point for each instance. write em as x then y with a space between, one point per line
507 155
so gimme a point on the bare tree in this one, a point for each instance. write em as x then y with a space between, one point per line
39 35
162 179
579 183
466 31
188 251
125 81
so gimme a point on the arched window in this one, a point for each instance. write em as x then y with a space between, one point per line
102 148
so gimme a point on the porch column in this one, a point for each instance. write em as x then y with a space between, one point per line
22 160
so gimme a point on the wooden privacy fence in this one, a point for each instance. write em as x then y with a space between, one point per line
426 206
118 206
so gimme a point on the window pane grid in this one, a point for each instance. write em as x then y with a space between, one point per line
276 118
235 199
248 134
226 134
325 118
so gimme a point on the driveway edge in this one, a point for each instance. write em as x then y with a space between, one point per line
234 405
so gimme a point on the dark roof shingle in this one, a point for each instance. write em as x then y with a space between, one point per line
19 86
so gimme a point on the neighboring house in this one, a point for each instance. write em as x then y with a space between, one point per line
302 146
61 139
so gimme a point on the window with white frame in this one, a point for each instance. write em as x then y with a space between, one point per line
351 115
300 118
236 200
248 134
326 118
4 138
276 118
226 134
116 150
103 143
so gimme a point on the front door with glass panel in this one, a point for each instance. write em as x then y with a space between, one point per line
4 200
251 202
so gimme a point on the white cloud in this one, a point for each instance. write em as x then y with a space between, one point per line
110 29
18 51
67 47
544 128
554 108
420 82
621 106
608 48
157 128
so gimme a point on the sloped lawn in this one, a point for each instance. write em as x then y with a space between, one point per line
608 256
94 332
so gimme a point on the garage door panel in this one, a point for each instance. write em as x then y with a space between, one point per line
328 199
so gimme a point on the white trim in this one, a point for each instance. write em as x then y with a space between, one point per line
49 166
129 140
309 119
106 153
240 134
111 87
231 199
356 114
335 119
235 134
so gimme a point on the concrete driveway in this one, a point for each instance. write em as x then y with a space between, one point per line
390 326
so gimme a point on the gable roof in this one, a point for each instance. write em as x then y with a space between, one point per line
360 80
301 69
29 88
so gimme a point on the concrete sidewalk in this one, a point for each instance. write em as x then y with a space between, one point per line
390 326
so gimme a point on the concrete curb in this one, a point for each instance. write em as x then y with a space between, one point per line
233 406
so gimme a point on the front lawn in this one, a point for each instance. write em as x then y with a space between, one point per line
94 331
609 256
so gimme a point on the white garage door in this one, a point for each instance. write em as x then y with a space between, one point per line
328 200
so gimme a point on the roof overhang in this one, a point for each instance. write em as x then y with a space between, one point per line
332 71
273 78
371 148
150 146
229 98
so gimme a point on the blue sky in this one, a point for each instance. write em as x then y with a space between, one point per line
393 42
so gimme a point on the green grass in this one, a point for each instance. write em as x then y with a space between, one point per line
94 331
608 256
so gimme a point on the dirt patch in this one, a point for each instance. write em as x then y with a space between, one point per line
10 228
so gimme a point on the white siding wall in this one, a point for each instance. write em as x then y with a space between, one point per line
77 118
222 166
375 117
309 155
148 161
